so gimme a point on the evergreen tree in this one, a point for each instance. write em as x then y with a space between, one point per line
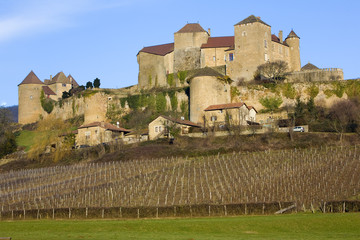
97 83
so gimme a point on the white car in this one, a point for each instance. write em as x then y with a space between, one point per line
298 129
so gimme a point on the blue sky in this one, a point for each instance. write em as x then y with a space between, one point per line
100 38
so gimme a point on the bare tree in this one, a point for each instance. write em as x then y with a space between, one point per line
274 71
344 116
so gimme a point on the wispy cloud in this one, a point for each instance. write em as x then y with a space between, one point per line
36 16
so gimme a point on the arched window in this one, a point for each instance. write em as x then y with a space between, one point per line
243 34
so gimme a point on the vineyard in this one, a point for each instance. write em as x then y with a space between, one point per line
307 177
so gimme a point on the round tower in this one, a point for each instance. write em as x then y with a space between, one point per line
29 91
205 90
294 44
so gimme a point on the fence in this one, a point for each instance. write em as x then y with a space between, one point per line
202 210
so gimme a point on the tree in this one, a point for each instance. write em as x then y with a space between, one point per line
344 117
274 71
97 83
7 137
89 85
271 103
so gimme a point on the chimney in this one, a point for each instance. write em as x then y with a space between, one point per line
118 124
50 77
209 32
258 18
281 36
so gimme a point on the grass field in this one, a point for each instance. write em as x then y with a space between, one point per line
294 226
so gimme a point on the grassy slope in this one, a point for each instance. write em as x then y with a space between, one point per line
296 226
25 139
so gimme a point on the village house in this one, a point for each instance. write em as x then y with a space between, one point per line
99 132
235 114
161 126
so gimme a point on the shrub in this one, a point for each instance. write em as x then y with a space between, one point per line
46 103
313 91
288 91
170 79
271 103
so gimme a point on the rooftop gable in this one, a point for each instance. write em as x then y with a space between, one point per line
309 67
60 78
31 78
73 82
225 106
217 42
191 28
160 50
252 19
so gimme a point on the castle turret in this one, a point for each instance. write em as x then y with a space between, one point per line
205 90
252 47
29 91
294 44
187 46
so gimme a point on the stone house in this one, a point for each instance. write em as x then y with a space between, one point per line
99 132
160 127
236 114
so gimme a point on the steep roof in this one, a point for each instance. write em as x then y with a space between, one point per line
161 50
180 121
308 67
252 19
48 90
31 78
105 125
274 38
73 82
60 78
292 34
206 71
191 27
216 42
224 106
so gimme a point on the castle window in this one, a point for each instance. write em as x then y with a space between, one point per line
243 34
156 129
265 43
214 58
64 85
30 96
266 58
231 57
213 118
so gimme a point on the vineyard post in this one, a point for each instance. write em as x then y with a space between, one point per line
69 213
157 212
174 211
344 207
245 209
209 210
12 214
225 210
138 213
53 213
102 213
86 211
120 212
38 213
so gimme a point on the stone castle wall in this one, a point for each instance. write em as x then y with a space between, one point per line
323 75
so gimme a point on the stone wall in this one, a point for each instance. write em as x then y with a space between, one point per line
320 75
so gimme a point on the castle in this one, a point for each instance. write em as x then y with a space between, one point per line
31 88
197 59
240 55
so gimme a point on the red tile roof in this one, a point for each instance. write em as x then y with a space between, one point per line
274 38
180 121
191 27
224 106
216 42
161 50
105 125
31 78
48 90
